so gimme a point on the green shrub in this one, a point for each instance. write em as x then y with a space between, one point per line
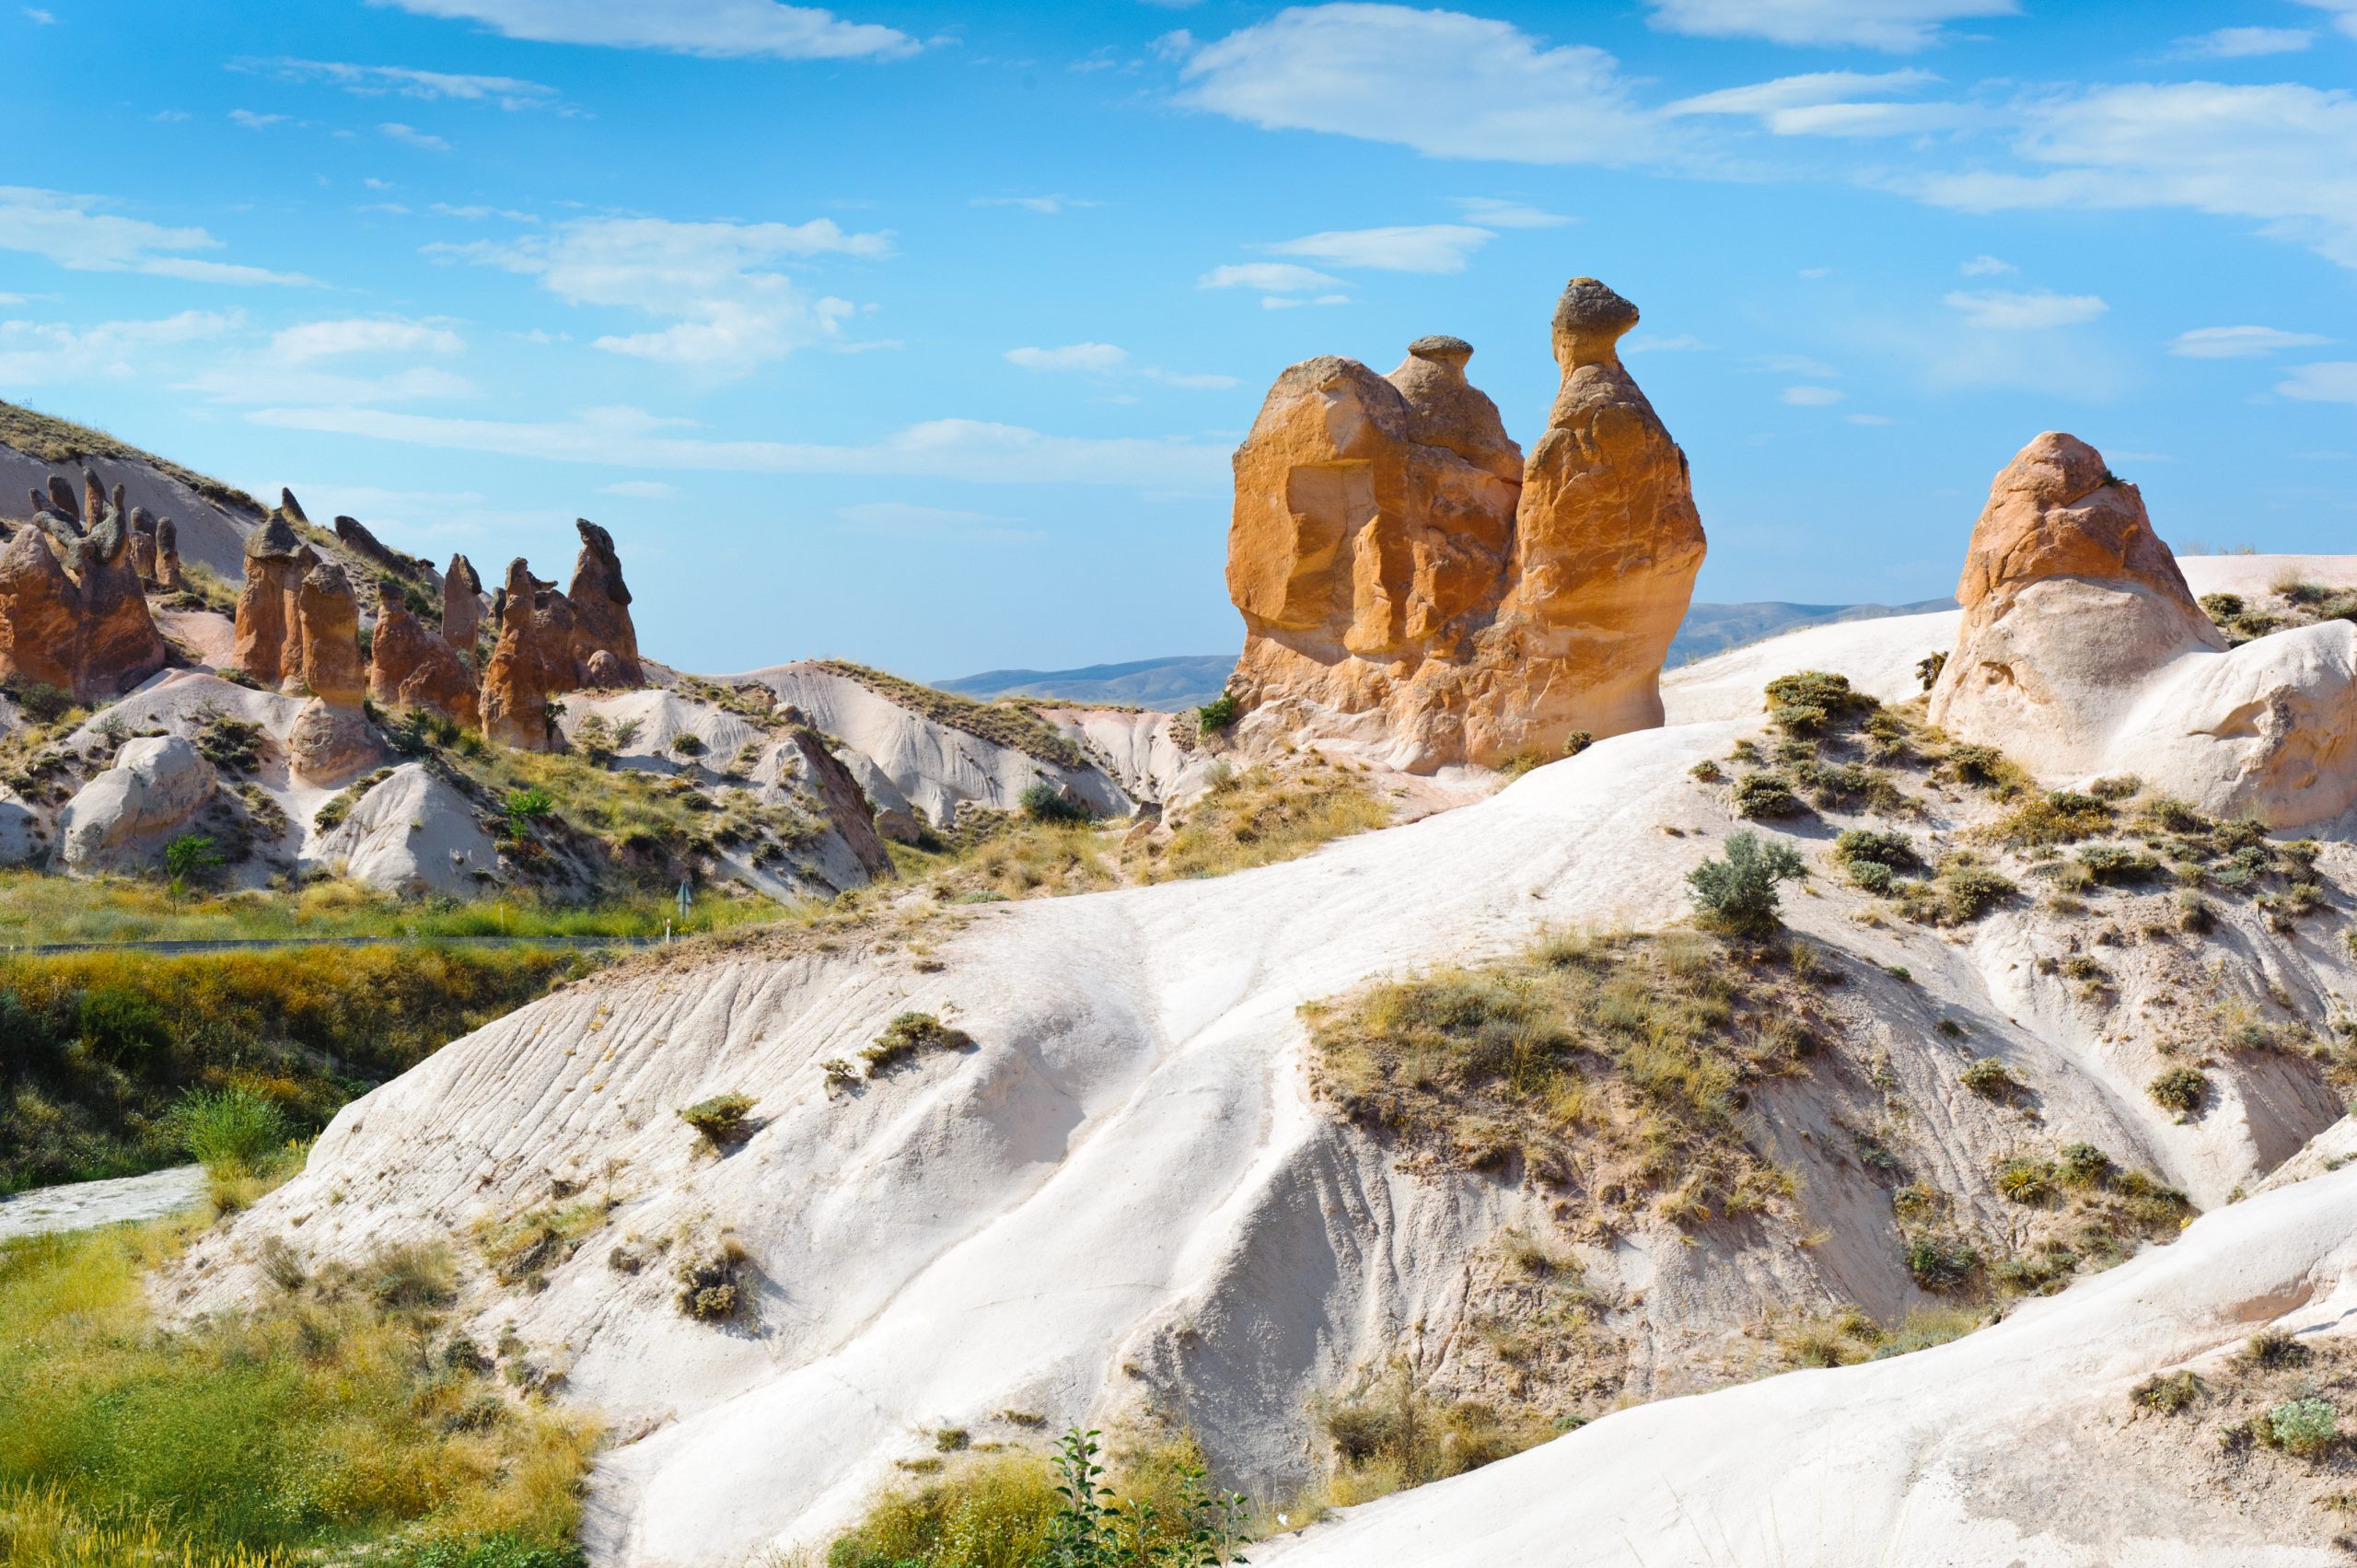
1576 742
117 1023
708 1283
2222 608
1767 797
2114 864
39 703
1809 702
190 857
2180 1089
2168 1395
1942 1264
1865 846
1706 772
2058 817
1928 669
1873 875
1985 767
721 1119
2305 1427
1987 1076
526 807
1044 802
231 1132
2025 1180
1216 715
1739 894
2083 1165
1968 892
907 1035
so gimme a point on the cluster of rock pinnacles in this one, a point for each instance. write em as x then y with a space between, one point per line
1408 580
74 614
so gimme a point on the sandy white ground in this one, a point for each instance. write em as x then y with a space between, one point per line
1125 1187
80 1205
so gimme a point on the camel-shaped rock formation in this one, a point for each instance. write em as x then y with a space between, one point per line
1411 586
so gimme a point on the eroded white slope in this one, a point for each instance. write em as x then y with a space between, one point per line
2010 1449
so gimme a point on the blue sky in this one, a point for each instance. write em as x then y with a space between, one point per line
919 332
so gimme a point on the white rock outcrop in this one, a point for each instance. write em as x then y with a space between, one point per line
412 833
124 816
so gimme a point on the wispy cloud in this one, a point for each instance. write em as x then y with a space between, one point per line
1986 267
712 27
1269 277
2241 43
410 135
403 81
2240 342
1896 26
50 353
1046 205
1997 310
253 122
1493 211
1112 359
976 451
1809 396
717 283
1414 248
2333 382
78 233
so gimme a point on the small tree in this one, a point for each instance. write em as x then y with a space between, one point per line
1216 715
190 857
1739 894
526 807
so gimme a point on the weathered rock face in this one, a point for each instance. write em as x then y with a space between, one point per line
412 835
462 608
124 815
72 611
168 556
2071 603
532 661
329 743
1408 582
269 646
328 618
601 622
409 666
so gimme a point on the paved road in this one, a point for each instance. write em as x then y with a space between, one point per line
263 944
79 1206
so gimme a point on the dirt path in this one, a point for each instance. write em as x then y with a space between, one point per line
79 1206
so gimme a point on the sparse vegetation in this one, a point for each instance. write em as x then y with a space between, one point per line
1009 724
909 1033
1216 715
324 1423
103 1050
721 1119
709 1283
2181 1089
1258 818
1044 802
1767 797
1739 894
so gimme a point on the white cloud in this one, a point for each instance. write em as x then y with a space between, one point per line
1071 356
2334 381
1107 359
40 18
899 520
1997 310
402 81
71 231
1809 396
2276 153
730 309
972 451
2344 13
1046 205
47 353
1493 211
2240 342
1826 103
321 340
1418 247
410 135
2241 43
712 27
1986 267
1898 25
640 489
1278 302
475 213
252 122
1444 83
1269 277
1684 343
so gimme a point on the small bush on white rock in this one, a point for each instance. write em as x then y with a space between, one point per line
1738 895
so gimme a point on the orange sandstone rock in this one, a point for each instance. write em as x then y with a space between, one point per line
268 645
1409 583
409 666
72 611
601 622
531 662
2071 604
328 616
462 608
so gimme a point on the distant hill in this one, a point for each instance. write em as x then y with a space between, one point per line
1714 628
1193 679
1168 684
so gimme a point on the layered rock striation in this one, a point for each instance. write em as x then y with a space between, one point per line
1410 583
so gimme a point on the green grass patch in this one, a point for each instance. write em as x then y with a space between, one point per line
336 1420
119 1063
